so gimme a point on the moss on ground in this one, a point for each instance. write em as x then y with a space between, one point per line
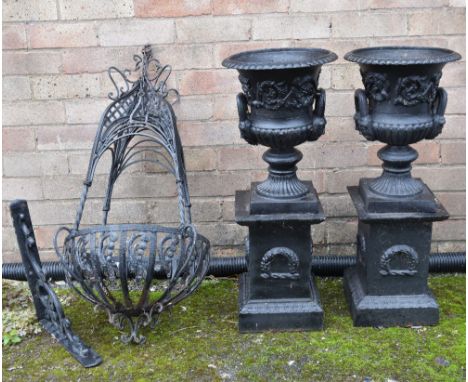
199 341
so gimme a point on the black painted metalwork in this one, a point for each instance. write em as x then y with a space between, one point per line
280 107
49 310
402 104
113 265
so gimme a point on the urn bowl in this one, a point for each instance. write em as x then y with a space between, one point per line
280 105
402 102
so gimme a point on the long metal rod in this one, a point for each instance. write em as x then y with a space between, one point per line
325 266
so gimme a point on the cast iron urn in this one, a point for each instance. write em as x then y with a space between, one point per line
401 104
280 107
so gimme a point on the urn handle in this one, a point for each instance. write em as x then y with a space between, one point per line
244 121
362 118
438 112
319 121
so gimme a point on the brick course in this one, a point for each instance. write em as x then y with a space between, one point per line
55 85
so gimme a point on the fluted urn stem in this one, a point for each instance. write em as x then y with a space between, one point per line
282 181
396 179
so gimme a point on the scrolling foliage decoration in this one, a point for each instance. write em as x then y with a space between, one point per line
117 267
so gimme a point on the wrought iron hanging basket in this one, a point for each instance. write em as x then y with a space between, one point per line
135 271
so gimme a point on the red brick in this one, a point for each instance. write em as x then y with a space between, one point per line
240 158
339 104
173 8
9 242
451 246
22 188
209 133
345 77
338 206
35 164
78 163
442 178
225 107
453 74
238 7
437 21
14 36
320 155
223 234
375 4
316 6
356 24
103 9
33 113
200 159
69 86
194 108
14 10
454 202
62 35
218 184
209 29
439 41
455 127
449 230
85 111
453 152
278 27
338 181
206 210
186 56
45 236
341 129
228 209
136 32
428 151
207 82
318 234
456 101
96 60
16 88
18 139
66 137
31 62
44 212
341 231
146 185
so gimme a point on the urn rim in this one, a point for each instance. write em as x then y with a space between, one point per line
279 58
402 55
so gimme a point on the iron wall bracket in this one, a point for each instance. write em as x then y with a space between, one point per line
49 310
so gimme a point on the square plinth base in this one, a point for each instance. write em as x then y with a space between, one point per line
278 314
387 310
424 202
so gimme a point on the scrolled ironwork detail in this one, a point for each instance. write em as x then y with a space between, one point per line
273 95
275 253
377 85
139 126
412 90
407 253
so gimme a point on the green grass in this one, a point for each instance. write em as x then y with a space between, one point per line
199 341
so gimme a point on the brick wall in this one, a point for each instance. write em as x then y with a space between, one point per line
55 53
